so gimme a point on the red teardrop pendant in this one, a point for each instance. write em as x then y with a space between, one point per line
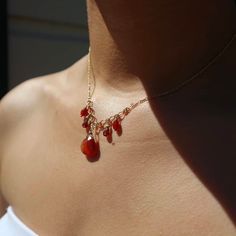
89 147
116 125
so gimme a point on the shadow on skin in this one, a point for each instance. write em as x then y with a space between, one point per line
202 127
204 134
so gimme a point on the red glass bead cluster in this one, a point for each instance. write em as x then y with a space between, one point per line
90 145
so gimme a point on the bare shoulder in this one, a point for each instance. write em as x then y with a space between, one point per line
34 94
21 103
22 100
14 107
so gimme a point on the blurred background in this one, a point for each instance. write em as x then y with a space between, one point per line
43 37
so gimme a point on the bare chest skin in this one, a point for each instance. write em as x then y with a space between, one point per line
142 184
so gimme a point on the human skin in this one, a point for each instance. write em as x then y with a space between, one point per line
172 171
172 39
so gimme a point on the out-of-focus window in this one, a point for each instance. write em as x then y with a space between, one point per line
44 36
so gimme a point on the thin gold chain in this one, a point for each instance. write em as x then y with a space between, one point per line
128 109
204 68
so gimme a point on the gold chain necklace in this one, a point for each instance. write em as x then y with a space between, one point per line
90 145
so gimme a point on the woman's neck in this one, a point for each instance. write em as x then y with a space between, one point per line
155 43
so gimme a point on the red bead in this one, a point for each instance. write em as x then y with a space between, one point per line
84 112
85 123
116 125
107 131
89 147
